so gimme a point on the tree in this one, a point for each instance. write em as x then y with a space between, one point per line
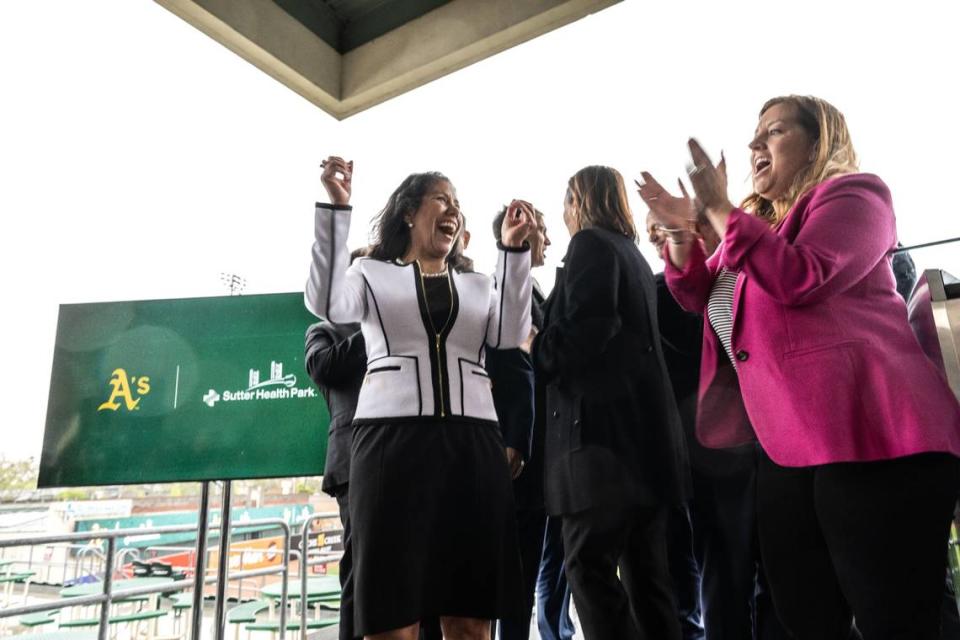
18 474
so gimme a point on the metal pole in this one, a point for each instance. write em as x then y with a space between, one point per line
221 611
304 565
285 576
925 244
200 566
107 588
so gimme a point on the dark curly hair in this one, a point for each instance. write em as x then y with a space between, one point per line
390 238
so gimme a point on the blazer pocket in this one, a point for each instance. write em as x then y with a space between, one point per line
395 367
476 391
391 388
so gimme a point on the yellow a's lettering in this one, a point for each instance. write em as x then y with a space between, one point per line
143 385
121 389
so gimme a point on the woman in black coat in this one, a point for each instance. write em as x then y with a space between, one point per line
615 457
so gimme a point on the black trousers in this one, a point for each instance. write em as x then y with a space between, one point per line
685 572
735 600
641 604
864 540
346 571
530 527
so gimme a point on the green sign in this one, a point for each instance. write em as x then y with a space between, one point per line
182 390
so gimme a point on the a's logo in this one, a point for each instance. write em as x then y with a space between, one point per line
211 398
121 390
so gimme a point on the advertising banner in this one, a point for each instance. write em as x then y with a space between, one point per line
182 390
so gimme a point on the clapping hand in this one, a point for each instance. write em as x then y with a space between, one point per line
518 224
336 178
709 181
673 213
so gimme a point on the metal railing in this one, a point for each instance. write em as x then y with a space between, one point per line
305 563
106 598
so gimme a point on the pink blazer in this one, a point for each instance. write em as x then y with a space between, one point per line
828 367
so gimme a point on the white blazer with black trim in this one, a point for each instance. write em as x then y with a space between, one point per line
410 372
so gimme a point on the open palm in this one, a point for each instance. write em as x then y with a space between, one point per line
672 212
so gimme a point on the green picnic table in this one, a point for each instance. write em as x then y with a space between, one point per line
7 580
320 587
119 586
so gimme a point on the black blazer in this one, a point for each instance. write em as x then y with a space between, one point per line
511 374
613 435
681 336
336 360
528 488
520 402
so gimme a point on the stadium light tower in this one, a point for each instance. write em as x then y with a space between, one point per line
233 282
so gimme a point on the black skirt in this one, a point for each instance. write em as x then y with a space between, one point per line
434 530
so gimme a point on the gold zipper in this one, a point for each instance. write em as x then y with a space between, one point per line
436 334
440 377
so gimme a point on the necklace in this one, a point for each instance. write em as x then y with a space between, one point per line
438 274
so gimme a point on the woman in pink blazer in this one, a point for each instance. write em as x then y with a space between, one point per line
808 350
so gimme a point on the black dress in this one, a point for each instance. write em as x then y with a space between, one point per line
432 508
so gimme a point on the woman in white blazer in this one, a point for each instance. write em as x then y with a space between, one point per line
430 493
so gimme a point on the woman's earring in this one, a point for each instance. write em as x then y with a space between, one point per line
409 224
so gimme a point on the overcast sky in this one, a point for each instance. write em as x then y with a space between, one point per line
140 159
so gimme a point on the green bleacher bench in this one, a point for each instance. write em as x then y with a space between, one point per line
247 612
328 605
38 619
16 577
274 625
181 600
129 617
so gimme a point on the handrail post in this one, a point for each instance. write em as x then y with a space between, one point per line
304 544
285 576
200 566
107 590
223 564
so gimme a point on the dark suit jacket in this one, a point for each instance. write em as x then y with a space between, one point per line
336 360
511 374
519 399
613 436
681 334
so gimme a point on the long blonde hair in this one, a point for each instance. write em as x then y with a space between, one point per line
601 200
834 154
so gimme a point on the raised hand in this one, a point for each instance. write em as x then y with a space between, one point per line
518 224
674 213
337 177
709 181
